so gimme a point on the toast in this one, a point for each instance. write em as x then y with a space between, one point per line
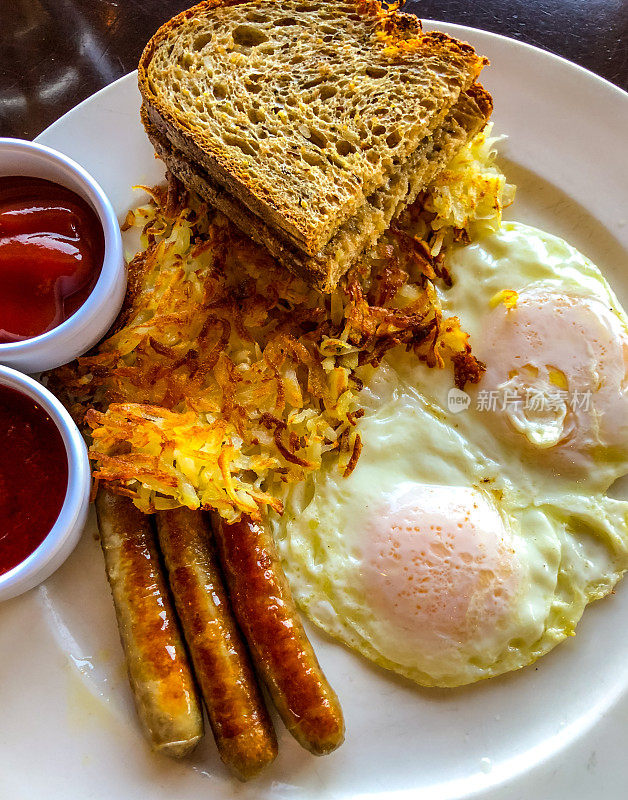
300 109
359 233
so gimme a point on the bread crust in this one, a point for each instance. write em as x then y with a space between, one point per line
265 198
196 179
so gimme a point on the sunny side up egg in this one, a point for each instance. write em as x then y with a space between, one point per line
474 531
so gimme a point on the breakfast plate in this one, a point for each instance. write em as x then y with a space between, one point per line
553 729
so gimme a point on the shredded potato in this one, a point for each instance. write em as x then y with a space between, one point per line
226 377
467 198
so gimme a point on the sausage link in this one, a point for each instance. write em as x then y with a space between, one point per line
159 672
267 615
242 728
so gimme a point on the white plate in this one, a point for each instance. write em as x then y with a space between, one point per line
553 730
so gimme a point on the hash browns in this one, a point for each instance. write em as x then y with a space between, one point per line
226 377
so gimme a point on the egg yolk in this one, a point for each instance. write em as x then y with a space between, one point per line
440 566
557 375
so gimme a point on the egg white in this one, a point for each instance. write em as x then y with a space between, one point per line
519 258
561 541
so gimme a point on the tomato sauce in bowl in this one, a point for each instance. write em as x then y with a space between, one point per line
51 255
33 476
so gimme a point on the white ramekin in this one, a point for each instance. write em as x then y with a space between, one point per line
92 320
66 531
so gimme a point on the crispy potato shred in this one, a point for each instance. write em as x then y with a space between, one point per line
400 34
225 377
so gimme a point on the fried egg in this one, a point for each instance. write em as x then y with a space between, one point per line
555 341
467 543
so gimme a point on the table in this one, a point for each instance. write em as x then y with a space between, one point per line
55 53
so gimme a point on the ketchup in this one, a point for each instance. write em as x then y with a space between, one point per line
33 476
51 253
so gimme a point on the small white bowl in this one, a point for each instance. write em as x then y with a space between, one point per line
92 320
66 531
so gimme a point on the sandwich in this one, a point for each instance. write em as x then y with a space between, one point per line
312 126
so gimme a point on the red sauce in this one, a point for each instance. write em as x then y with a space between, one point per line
33 476
51 253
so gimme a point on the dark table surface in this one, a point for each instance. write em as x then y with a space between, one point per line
55 53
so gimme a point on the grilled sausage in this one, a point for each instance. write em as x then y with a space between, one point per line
242 728
267 615
161 679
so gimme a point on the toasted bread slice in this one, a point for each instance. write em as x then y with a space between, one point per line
300 108
360 232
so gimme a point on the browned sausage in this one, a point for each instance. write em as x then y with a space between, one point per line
267 615
161 679
239 719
